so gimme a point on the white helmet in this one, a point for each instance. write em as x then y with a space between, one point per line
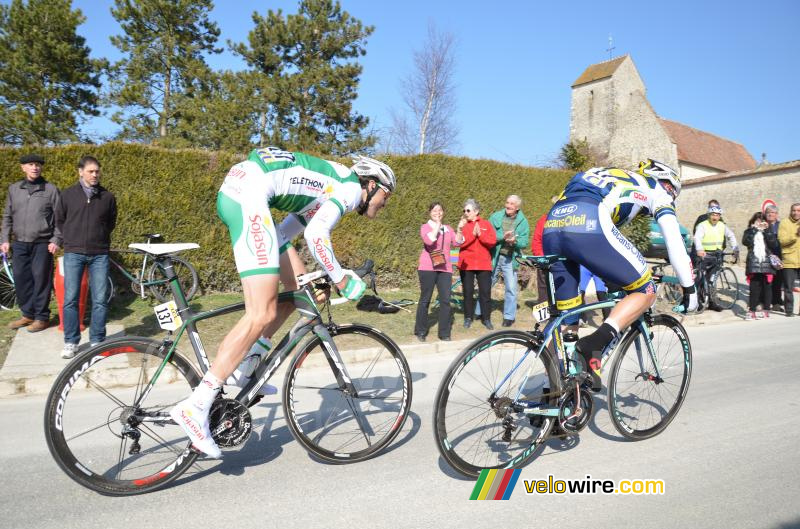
370 168
660 171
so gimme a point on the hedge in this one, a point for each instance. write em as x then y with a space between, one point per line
173 192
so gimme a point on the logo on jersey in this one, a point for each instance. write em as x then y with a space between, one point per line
572 220
323 251
591 225
564 210
308 215
309 183
639 196
259 239
236 172
273 154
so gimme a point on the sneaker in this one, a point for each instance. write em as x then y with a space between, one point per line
195 423
69 350
777 308
750 316
760 315
766 314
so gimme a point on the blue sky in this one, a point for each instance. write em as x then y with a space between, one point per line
728 68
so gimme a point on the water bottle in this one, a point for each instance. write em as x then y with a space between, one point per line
570 338
244 371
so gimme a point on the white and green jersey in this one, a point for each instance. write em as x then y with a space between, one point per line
316 193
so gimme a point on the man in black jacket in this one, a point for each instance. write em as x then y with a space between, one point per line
30 215
86 218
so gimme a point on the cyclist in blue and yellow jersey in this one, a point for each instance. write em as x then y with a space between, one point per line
582 226
317 194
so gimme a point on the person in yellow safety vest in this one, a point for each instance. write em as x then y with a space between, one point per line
709 237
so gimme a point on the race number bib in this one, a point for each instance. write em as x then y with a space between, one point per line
167 316
541 312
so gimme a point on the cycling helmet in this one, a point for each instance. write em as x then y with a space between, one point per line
714 209
369 168
660 171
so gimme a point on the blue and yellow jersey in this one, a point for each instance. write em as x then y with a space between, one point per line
626 194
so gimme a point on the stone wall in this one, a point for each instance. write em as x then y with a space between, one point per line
741 194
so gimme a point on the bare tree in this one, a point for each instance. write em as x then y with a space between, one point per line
428 92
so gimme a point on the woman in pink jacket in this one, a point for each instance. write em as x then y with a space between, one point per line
435 269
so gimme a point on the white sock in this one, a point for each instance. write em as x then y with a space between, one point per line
613 324
205 392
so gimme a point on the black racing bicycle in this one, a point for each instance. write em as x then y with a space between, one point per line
346 393
717 285
503 395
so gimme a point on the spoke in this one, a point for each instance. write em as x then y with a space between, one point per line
90 430
104 391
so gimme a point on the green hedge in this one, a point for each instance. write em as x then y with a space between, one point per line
174 192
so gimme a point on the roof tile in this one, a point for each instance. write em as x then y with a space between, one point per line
599 71
708 150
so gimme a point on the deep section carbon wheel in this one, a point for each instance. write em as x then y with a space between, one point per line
352 418
109 429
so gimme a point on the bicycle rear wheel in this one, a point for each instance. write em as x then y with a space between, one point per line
104 434
339 424
725 290
477 425
187 276
641 404
8 293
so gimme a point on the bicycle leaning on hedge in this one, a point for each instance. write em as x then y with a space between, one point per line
500 398
346 393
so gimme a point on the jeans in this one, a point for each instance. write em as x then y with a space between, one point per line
789 275
427 281
505 264
74 263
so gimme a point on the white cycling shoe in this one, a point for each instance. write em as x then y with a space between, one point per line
194 422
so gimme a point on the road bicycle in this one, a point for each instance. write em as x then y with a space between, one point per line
147 280
152 279
504 393
716 283
346 393
668 291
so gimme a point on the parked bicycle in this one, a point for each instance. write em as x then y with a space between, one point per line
346 393
8 292
152 279
716 283
502 396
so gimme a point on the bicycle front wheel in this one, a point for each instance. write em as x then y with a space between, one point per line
8 293
187 276
642 401
340 422
480 418
725 290
104 433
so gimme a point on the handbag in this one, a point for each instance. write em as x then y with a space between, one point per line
775 261
437 256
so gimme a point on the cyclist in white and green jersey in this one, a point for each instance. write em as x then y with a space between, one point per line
316 193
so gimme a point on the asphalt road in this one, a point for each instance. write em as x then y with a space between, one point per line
730 459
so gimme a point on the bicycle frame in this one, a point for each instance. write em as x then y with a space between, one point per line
552 334
310 321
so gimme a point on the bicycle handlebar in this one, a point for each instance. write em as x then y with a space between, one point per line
321 278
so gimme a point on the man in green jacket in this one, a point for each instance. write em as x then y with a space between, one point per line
513 234
789 239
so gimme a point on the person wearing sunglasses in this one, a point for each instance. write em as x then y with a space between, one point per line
477 238
316 194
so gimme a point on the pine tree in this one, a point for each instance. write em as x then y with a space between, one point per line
163 42
308 78
48 82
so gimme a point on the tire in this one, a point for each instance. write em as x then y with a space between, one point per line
641 407
468 429
725 290
92 396
110 294
8 293
319 411
187 276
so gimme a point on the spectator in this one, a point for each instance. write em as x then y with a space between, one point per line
86 218
476 237
709 240
789 239
513 233
600 290
760 243
771 214
435 269
30 215
702 218
536 249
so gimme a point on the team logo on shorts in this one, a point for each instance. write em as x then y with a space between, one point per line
259 239
563 211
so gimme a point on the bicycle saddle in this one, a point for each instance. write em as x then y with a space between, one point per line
163 249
